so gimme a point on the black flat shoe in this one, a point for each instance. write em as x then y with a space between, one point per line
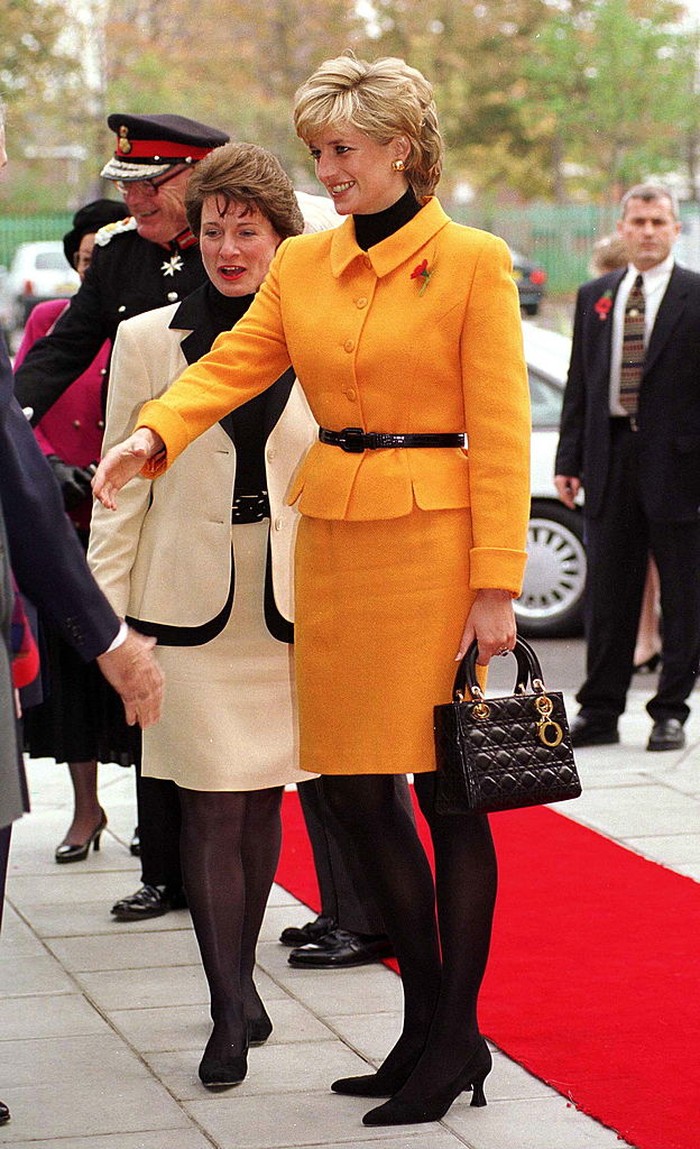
259 1029
148 902
222 1072
4 1113
405 1110
667 735
311 932
68 853
340 949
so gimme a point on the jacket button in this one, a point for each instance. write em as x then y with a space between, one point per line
76 423
122 309
351 394
101 424
362 302
367 261
172 296
271 455
349 344
278 524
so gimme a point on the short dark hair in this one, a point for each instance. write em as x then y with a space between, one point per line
245 174
649 193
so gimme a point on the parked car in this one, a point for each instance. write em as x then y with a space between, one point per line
38 271
530 279
551 604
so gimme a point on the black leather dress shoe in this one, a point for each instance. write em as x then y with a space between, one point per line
4 1113
135 844
148 902
311 932
593 732
340 949
667 735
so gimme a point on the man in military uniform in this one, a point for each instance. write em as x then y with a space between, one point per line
143 262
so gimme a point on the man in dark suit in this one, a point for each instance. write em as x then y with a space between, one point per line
630 435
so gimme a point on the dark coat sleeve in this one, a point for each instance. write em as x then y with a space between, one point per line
569 460
47 559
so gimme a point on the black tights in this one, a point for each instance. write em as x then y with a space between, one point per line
440 998
230 845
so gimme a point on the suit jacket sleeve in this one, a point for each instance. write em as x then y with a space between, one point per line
569 458
47 558
114 535
56 361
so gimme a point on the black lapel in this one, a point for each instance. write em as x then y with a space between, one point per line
193 314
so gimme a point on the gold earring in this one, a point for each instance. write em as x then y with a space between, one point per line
398 166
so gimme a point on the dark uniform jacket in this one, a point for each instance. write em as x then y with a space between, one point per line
669 401
128 275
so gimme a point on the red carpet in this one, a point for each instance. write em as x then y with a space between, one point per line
592 984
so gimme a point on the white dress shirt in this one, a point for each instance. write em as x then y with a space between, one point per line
655 283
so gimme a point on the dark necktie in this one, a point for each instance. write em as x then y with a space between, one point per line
632 348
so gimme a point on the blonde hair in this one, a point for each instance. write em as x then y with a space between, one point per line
609 253
245 174
383 99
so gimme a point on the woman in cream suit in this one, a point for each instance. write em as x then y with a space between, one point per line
404 331
202 560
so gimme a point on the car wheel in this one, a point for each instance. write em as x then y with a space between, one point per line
551 604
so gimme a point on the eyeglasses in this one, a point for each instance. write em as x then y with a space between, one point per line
148 187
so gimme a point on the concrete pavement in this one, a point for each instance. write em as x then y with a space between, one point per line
102 1024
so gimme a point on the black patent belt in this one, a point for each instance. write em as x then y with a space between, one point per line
355 440
628 422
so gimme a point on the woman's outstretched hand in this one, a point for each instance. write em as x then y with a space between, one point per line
122 462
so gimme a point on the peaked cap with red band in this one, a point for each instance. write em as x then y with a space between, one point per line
148 146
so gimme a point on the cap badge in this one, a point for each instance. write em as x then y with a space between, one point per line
123 144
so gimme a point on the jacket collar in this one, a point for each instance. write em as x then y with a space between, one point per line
386 256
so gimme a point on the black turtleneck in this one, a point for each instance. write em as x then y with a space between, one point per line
371 229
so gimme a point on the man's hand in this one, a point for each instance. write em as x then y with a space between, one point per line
74 481
568 487
122 463
136 676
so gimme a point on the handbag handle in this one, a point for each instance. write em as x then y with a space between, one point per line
529 671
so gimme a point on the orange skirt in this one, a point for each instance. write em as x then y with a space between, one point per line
380 610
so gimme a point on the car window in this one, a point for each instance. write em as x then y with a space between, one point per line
546 399
50 261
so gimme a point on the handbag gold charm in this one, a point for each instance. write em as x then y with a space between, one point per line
549 732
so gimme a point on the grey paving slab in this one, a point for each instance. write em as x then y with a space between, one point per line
331 991
289 1120
122 1104
60 1060
535 1123
35 974
30 1017
116 950
142 988
639 811
92 918
177 1138
370 1034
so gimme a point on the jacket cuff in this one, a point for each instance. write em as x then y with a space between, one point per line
492 569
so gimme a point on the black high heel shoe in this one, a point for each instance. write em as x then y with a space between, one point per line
67 853
649 665
408 1111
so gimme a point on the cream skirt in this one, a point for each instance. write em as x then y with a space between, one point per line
229 719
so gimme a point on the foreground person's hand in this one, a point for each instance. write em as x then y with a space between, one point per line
136 676
122 462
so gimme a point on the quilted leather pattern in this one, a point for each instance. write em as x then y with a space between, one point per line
500 762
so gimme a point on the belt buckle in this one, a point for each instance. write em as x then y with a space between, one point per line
351 439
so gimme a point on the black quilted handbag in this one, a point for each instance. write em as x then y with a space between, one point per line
503 753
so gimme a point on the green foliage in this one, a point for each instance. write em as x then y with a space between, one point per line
554 99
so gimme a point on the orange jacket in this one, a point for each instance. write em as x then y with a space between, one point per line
377 347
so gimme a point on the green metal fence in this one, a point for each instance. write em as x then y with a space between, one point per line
559 238
28 228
